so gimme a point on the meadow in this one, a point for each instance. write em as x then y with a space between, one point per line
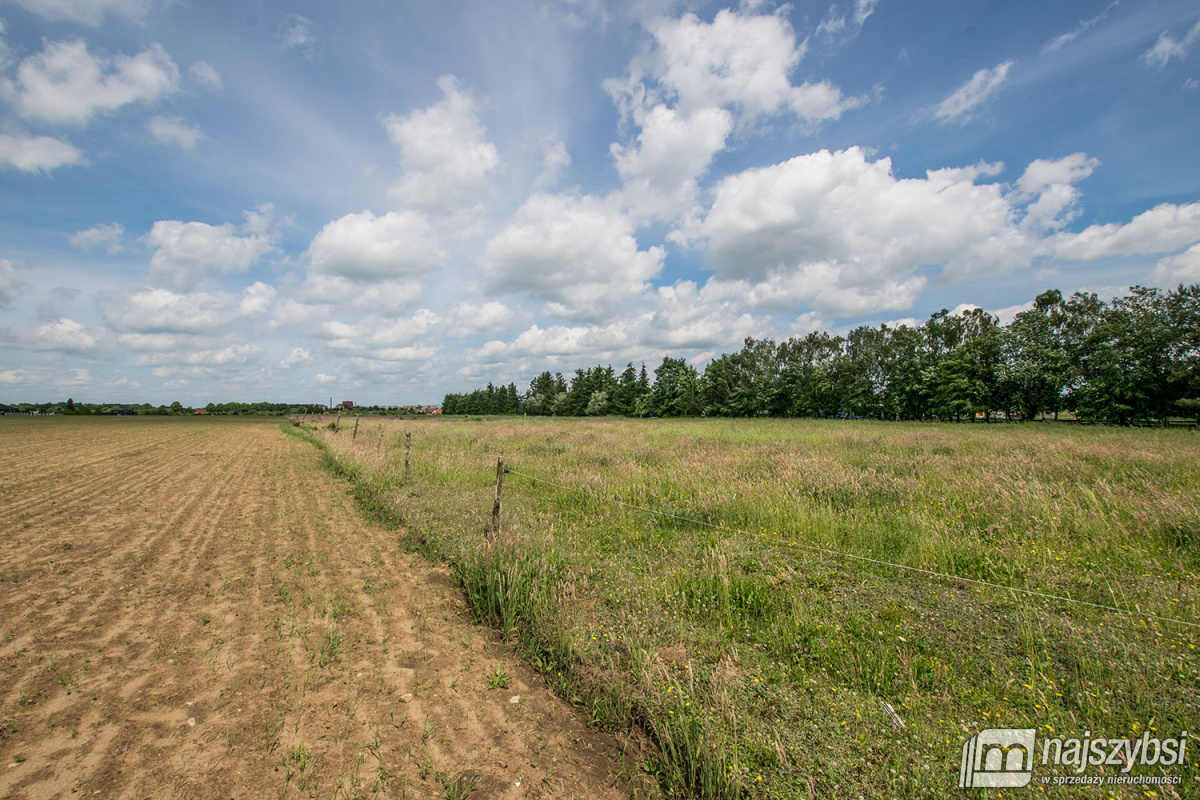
819 608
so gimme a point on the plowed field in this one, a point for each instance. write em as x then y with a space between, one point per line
194 608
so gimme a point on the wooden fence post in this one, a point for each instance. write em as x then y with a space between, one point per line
379 444
407 455
337 423
499 491
355 436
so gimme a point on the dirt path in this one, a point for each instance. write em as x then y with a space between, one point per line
194 608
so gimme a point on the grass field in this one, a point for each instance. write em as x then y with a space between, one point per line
691 578
196 609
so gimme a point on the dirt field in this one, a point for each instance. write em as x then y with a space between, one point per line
194 608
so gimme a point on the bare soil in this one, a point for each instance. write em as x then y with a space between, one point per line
195 609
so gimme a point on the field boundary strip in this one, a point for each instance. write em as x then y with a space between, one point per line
587 492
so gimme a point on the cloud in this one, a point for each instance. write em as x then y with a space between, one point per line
12 285
470 319
835 25
736 60
66 84
1083 27
961 106
445 157
45 376
37 153
89 12
297 358
1051 182
1182 268
256 299
661 172
1162 229
576 253
63 335
382 339
365 247
190 252
555 158
297 32
739 61
106 236
1168 47
839 230
206 75
174 130
160 311
233 355
701 83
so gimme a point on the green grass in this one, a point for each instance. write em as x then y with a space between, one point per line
729 627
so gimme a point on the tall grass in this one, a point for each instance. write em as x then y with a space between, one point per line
727 626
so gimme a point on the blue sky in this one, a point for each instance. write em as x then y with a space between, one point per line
385 201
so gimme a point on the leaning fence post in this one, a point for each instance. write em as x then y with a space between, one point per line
407 455
499 491
379 444
355 436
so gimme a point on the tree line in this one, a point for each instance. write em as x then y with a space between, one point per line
1136 358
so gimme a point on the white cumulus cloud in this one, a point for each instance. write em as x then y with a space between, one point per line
64 335
365 247
700 83
1162 229
37 153
297 358
67 84
842 231
107 236
189 252
1182 268
174 130
445 157
577 254
661 172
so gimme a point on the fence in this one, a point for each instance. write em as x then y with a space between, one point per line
496 528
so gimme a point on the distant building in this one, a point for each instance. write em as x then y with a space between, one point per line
347 404
200 411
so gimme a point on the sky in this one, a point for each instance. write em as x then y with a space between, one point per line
385 201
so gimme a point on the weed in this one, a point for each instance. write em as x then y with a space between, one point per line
458 786
295 759
330 650
498 679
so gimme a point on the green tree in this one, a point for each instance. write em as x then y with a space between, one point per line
675 392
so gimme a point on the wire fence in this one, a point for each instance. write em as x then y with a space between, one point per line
588 492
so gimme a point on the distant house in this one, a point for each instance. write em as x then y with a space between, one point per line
6 409
200 411
122 412
347 404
